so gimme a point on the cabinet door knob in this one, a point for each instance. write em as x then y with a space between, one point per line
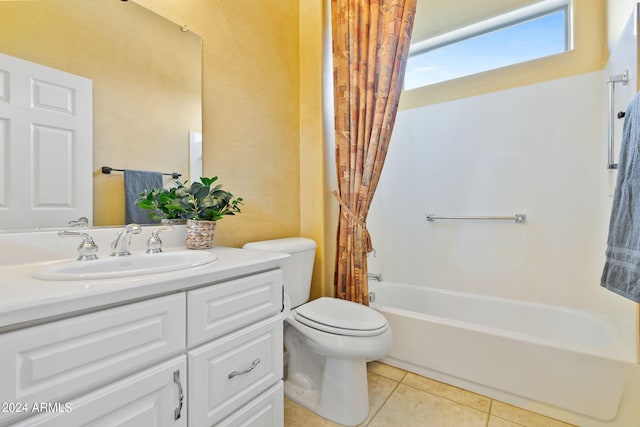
178 410
244 371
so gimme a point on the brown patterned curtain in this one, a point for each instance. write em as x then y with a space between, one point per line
370 50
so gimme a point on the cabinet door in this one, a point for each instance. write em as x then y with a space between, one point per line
62 359
231 371
267 410
155 397
225 307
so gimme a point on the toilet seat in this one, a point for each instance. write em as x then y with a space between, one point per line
341 317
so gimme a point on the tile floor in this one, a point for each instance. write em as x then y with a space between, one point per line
398 398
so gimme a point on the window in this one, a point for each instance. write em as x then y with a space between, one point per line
529 33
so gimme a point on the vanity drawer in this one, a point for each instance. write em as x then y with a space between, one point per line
267 410
61 359
229 372
225 307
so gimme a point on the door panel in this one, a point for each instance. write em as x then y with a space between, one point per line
46 145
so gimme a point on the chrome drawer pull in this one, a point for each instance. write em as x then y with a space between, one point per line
178 410
249 369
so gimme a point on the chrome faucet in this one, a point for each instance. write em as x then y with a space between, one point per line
154 244
378 277
88 250
120 246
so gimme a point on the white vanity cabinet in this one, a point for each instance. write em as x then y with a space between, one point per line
153 397
60 360
238 325
198 357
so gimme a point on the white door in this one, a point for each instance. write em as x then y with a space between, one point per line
46 139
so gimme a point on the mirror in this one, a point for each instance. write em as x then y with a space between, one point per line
147 81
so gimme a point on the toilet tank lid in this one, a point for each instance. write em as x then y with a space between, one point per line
287 245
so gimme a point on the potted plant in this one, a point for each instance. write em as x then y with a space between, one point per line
160 203
201 204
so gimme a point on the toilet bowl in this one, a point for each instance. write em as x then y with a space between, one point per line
329 341
327 364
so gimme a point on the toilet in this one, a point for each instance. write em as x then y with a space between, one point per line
329 341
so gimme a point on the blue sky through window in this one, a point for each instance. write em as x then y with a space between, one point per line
535 38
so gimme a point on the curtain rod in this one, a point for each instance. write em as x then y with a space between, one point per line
107 170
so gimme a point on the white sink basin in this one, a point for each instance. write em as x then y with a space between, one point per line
124 266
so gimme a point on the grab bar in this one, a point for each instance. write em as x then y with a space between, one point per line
619 78
519 218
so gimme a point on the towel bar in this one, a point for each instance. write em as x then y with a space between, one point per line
519 218
611 82
107 170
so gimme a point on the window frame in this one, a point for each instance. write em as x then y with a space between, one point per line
496 23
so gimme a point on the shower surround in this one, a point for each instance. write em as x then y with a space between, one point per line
538 150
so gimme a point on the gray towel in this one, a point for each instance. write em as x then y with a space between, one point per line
135 182
621 272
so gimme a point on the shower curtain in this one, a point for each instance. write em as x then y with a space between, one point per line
370 50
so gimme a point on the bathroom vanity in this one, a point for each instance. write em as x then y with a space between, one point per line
194 347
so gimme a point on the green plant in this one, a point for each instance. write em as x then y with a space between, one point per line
199 201
161 203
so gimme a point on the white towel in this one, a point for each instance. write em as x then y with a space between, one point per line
135 182
621 272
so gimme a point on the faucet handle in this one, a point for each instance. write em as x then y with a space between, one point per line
154 244
83 221
88 250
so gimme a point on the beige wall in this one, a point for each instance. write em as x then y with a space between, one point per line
250 103
316 201
262 122
251 108
250 100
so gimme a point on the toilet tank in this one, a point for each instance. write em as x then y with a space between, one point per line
297 269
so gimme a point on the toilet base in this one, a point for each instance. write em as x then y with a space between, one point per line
344 397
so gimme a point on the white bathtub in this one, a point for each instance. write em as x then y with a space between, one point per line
556 361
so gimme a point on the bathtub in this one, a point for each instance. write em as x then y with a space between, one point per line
559 362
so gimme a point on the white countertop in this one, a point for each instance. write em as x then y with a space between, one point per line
25 300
